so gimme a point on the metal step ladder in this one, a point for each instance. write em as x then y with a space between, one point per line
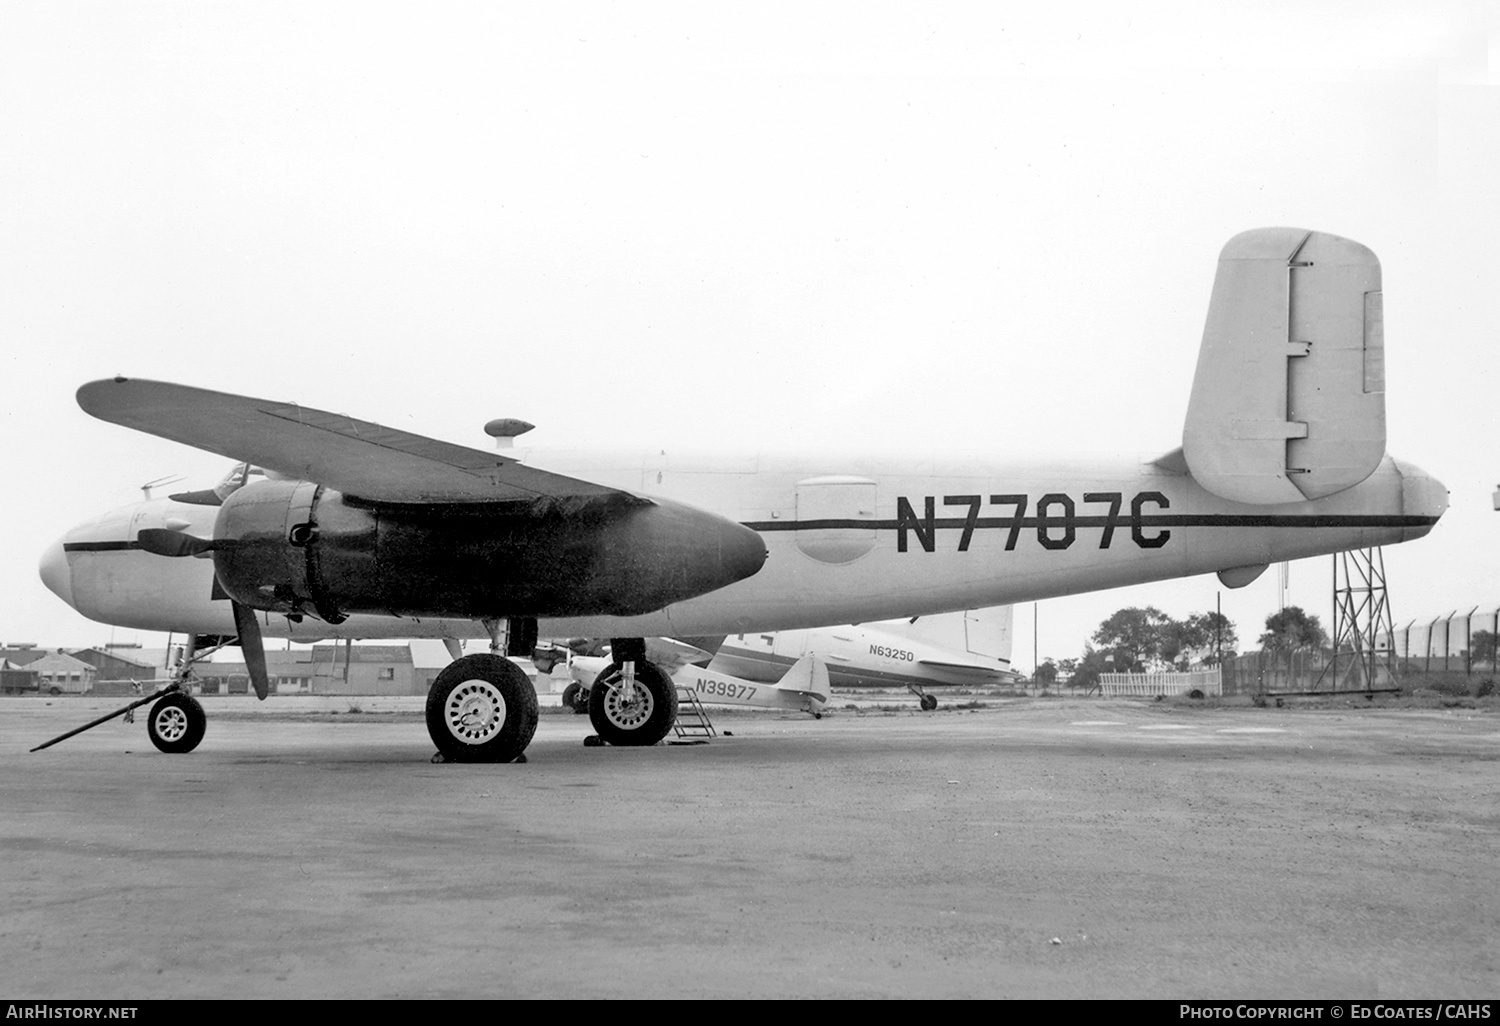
692 719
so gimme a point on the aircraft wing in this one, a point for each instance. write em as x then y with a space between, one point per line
671 655
358 458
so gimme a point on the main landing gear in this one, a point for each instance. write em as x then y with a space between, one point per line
576 697
483 709
634 703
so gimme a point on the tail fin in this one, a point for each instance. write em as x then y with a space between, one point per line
809 676
1288 400
980 632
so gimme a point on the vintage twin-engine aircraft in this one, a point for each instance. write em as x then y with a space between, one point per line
1282 457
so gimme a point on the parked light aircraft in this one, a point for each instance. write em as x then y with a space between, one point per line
965 649
803 688
376 532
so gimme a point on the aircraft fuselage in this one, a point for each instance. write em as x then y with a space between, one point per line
849 540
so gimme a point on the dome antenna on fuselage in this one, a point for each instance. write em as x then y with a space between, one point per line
504 430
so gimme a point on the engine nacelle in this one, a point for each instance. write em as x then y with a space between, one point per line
298 548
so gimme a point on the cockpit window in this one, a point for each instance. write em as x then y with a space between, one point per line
236 479
232 482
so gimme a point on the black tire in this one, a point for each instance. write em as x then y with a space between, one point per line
642 722
929 703
575 698
176 723
54 691
481 708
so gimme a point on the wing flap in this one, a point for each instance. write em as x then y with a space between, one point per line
357 457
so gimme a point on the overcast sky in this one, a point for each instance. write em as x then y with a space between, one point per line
933 227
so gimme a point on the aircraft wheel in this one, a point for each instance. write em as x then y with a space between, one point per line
642 720
481 708
929 703
176 723
575 697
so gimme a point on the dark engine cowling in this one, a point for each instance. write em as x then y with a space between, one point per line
295 547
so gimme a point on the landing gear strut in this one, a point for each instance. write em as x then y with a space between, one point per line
177 721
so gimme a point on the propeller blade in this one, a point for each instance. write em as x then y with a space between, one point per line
254 649
162 542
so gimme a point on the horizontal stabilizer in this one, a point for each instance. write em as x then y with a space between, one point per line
356 457
1288 401
808 676
977 671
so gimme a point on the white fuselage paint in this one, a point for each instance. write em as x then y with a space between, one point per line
834 529
863 655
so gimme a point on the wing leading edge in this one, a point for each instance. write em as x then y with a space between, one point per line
356 457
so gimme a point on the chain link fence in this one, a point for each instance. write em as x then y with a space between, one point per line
1454 653
1461 642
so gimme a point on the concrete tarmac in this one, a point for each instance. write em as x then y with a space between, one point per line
1031 848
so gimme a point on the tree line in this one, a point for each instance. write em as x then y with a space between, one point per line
1144 639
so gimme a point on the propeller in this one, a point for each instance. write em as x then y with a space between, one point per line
162 541
253 647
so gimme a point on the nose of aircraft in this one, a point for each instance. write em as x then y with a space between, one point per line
54 571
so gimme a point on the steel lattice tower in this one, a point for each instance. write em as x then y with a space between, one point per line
1363 633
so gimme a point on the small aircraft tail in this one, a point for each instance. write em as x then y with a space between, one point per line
1288 400
808 676
979 632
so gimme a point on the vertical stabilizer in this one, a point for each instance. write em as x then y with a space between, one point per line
809 676
1288 401
978 632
